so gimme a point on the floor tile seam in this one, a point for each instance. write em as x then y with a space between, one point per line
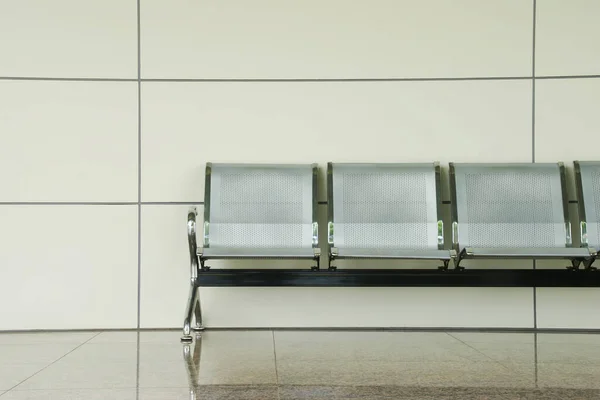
275 364
50 364
480 352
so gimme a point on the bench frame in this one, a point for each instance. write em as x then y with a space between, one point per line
203 276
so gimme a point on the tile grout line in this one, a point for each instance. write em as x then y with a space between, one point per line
533 134
139 175
293 80
96 203
535 358
478 351
317 80
271 80
52 363
275 361
533 82
67 203
137 368
57 79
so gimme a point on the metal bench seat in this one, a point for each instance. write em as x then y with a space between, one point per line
253 211
385 211
512 211
587 180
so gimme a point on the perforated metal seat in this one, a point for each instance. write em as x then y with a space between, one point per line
511 211
386 211
253 211
587 174
260 211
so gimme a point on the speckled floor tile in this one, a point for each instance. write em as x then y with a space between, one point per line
46 337
247 372
34 353
168 336
428 393
452 374
578 376
346 373
238 357
372 346
588 339
475 375
72 394
115 337
163 352
212 392
569 353
182 393
237 345
88 375
517 357
103 353
11 375
305 364
154 372
493 337
163 374
237 392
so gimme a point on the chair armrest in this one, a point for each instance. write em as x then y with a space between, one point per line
191 233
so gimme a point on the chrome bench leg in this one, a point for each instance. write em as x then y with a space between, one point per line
192 312
198 315
192 365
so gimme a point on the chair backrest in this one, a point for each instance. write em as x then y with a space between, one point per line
509 205
381 206
260 206
588 187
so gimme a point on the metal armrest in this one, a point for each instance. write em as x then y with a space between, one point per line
193 246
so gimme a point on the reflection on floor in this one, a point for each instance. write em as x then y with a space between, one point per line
299 365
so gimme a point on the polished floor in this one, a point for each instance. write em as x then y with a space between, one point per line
299 365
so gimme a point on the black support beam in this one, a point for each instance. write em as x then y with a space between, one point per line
400 278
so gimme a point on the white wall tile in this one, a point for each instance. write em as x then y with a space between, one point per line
569 308
567 123
367 307
165 280
68 267
68 141
69 38
187 124
567 35
336 38
165 265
